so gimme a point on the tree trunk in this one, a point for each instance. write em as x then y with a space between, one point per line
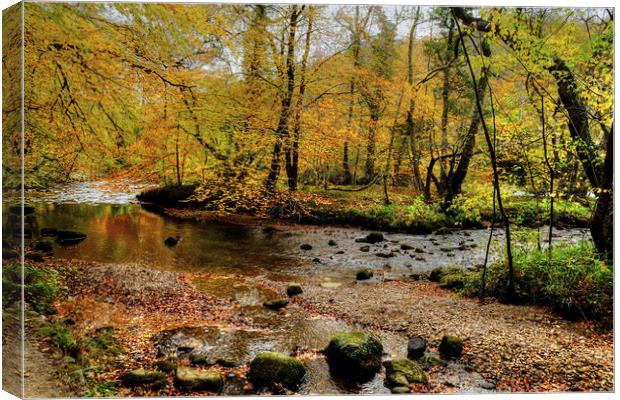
293 169
455 180
602 226
370 147
491 148
410 130
282 131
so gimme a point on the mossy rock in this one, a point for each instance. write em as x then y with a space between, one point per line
354 356
400 390
166 366
451 347
364 274
195 380
271 369
139 377
403 372
293 289
427 362
276 304
372 237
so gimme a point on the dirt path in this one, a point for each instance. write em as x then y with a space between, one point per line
41 376
521 348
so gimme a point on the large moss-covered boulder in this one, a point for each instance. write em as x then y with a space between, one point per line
355 356
403 372
451 347
195 380
272 369
139 377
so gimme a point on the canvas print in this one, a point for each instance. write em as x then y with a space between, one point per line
253 199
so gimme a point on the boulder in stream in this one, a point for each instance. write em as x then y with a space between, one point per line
332 242
365 249
271 369
451 347
171 242
372 238
195 380
416 347
44 246
276 304
354 356
49 231
403 372
306 247
293 289
363 274
405 246
69 237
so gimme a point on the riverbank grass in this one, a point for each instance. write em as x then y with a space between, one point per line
570 279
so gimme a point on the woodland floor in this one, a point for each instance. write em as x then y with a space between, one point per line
518 348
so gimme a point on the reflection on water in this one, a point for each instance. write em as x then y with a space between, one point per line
127 233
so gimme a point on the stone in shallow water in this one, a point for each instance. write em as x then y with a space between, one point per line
373 237
363 274
354 356
195 380
402 372
451 347
271 369
276 304
293 289
416 347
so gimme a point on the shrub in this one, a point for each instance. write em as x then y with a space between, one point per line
570 279
40 286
